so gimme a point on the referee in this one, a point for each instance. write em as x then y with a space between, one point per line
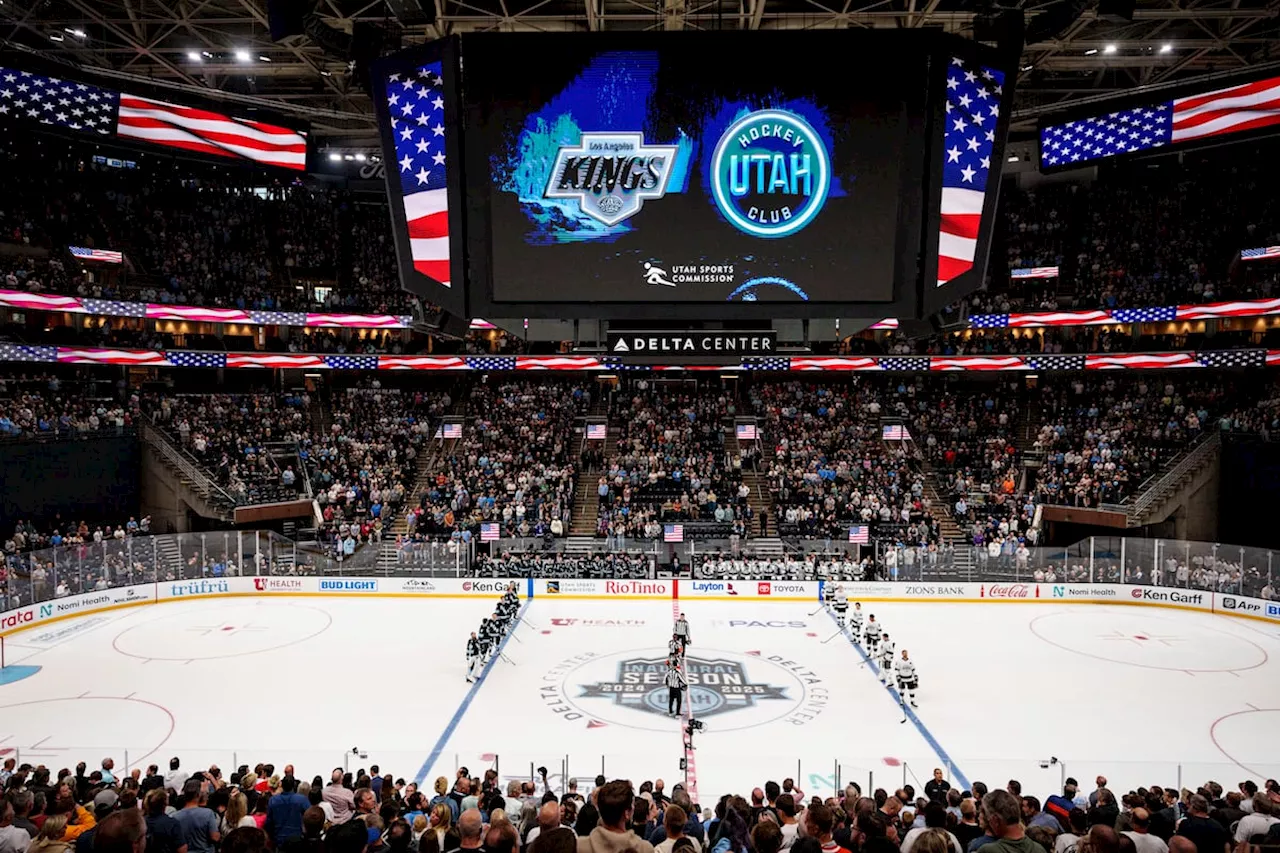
676 683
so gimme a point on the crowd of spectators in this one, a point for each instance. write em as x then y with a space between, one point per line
534 564
255 810
515 464
830 467
672 465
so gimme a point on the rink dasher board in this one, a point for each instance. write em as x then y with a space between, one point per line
69 607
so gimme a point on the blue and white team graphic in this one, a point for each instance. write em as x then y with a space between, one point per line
611 175
770 173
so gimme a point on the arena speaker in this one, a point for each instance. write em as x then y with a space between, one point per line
287 18
333 41
414 12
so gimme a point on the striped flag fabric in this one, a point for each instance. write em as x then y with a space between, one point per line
422 362
415 103
274 360
94 355
1260 253
974 96
1248 308
489 532
449 431
893 432
747 432
1034 272
860 534
563 362
206 132
673 533
1220 112
156 311
84 253
834 363
597 432
355 321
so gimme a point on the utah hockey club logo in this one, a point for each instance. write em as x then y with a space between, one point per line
716 686
611 174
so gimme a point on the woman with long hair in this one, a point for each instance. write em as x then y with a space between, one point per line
733 834
442 825
236 815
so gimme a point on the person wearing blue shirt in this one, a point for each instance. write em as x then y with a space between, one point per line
284 812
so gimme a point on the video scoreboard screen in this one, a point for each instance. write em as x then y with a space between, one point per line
724 175
675 171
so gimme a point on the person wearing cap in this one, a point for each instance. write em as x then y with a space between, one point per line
103 805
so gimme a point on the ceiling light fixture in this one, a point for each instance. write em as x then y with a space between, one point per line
1111 48
55 37
262 57
75 31
1091 51
360 158
334 157
1166 48
242 55
194 57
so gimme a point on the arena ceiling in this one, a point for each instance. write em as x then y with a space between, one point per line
223 46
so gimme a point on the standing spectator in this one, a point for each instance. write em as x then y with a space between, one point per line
615 800
1002 814
123 831
199 825
1257 823
285 811
936 788
1143 840
1104 811
164 834
175 778
12 839
52 837
674 819
1203 831
339 798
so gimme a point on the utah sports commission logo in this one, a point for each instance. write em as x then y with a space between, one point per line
770 173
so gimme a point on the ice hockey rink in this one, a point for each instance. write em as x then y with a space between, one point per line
1035 692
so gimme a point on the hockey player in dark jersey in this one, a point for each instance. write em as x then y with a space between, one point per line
474 656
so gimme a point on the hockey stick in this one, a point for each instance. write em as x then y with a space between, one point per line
503 656
821 607
839 633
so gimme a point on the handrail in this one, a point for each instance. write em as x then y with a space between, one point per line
1189 462
173 455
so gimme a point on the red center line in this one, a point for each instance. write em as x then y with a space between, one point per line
691 770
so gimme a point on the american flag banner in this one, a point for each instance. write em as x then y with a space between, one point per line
886 323
1233 358
490 532
974 99
1055 362
195 314
1214 310
860 534
747 432
1154 314
278 318
673 533
415 103
57 102
274 360
422 362
835 363
977 362
1273 357
114 307
25 352
491 362
777 362
561 362
94 355
1260 253
1216 113
193 358
351 362
40 301
84 253
597 432
907 362
893 432
206 132
354 321
449 431
1034 272
1141 361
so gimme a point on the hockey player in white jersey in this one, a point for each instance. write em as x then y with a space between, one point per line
474 657
886 658
908 681
855 620
872 636
840 605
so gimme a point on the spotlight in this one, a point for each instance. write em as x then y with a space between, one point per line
1109 49
1166 48
75 31
194 57
1091 51
242 56
360 158
55 37
262 57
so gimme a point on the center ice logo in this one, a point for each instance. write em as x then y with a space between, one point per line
716 686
